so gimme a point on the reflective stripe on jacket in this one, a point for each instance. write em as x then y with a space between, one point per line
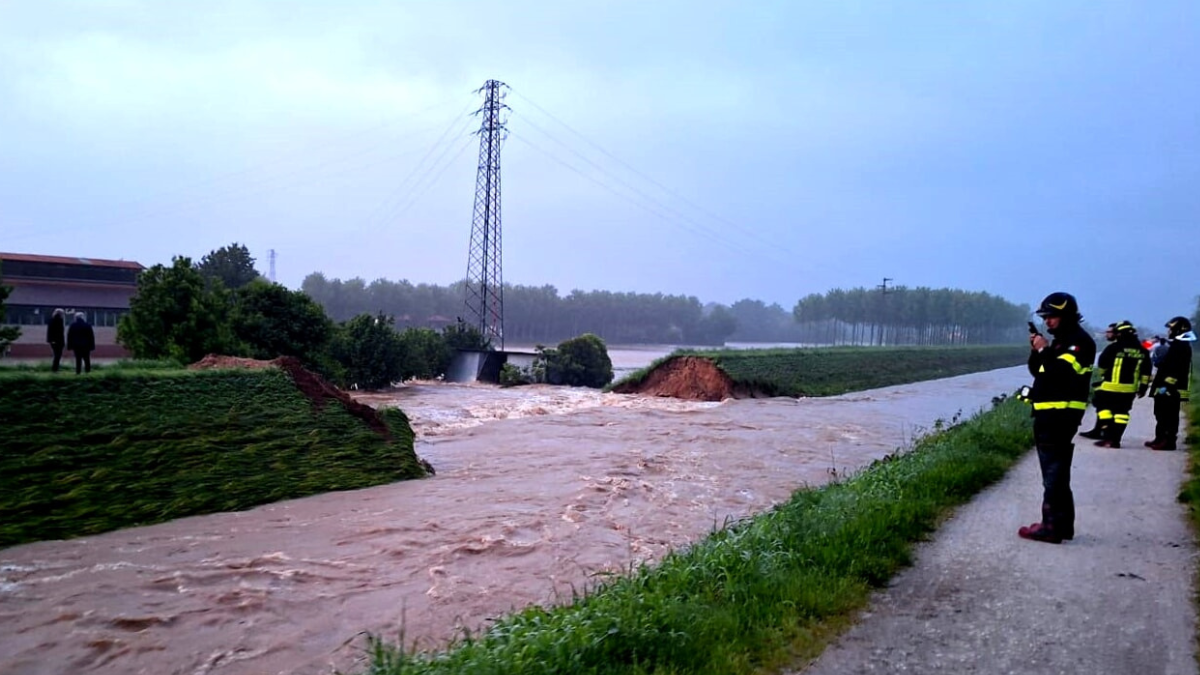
1062 372
1124 366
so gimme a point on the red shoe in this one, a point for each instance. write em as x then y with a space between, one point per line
1107 444
1039 532
1160 445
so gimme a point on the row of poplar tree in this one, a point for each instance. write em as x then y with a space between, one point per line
539 314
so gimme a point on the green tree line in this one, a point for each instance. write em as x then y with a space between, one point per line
221 305
535 314
916 316
538 314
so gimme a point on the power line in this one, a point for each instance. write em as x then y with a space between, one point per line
683 224
666 207
389 208
661 186
436 176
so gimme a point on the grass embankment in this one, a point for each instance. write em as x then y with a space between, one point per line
1190 492
838 370
131 446
757 594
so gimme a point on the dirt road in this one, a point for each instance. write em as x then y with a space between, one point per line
1119 599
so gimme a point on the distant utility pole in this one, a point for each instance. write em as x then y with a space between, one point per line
271 275
883 292
485 279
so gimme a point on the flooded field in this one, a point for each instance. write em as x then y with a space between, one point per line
539 491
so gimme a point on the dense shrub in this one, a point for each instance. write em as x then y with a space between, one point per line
176 314
578 362
425 354
462 336
512 376
369 350
274 321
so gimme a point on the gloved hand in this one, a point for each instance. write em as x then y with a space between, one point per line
1163 391
1141 392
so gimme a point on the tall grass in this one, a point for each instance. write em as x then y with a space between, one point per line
756 594
1190 492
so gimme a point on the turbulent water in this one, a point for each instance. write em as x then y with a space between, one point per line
539 491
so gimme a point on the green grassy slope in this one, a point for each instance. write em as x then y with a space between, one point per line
837 370
82 455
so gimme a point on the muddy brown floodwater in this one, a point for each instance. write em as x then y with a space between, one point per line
539 490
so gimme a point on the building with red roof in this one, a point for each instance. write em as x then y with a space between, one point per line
101 289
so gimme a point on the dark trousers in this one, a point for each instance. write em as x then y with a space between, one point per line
1112 413
57 348
1166 418
83 361
1052 433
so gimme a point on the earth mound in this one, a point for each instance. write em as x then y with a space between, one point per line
687 377
313 386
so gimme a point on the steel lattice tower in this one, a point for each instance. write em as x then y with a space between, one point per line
485 281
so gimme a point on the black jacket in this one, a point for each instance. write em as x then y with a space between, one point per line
55 330
1124 366
1062 372
81 337
1175 370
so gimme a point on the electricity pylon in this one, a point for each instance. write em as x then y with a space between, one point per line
485 280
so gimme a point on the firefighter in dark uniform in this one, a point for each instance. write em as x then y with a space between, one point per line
1172 383
1097 430
1124 369
1062 376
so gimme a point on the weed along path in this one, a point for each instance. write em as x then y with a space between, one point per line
1118 599
539 491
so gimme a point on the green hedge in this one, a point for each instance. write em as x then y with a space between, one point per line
82 455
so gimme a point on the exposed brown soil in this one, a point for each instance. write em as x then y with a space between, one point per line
313 386
687 377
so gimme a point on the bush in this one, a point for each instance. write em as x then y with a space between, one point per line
462 336
272 321
177 315
579 362
512 376
426 354
370 351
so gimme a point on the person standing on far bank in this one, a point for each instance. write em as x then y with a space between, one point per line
81 340
56 336
1172 383
1062 374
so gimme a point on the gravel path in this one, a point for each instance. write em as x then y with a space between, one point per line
1118 599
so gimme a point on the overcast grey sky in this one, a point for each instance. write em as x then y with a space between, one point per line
725 150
